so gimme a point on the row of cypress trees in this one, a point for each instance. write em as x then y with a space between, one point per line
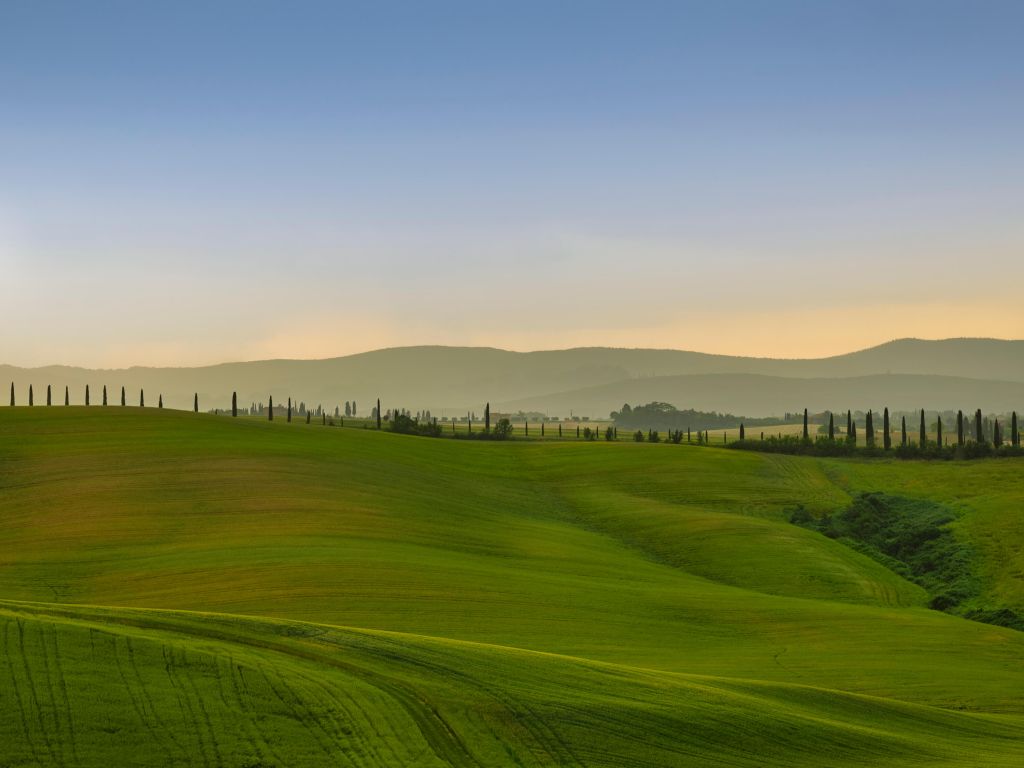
962 428
851 426
88 397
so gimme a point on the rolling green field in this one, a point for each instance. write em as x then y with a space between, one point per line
182 589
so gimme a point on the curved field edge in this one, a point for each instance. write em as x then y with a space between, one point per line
100 686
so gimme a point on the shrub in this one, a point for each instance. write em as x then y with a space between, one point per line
407 425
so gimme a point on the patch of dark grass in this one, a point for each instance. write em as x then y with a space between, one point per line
912 538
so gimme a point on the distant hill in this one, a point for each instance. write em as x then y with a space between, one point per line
455 379
755 395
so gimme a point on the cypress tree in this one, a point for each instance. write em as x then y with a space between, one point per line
308 414
743 432
869 430
1014 434
324 415
806 434
577 431
160 400
903 432
195 403
959 427
559 429
979 432
67 395
122 397
289 416
831 427
104 394
923 438
30 397
849 426
938 431
542 429
378 413
12 394
86 394
270 410
49 398
887 438
487 417
234 404
142 398
469 421
853 432
997 438
526 426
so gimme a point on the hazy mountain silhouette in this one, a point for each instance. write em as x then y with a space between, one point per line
454 379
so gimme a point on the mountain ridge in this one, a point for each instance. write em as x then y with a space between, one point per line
449 380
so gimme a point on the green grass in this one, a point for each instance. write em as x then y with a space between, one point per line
533 603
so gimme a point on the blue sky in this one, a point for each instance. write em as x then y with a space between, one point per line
185 183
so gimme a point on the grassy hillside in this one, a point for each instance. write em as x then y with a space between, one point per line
554 602
87 686
463 378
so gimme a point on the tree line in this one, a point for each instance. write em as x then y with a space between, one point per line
665 416
967 436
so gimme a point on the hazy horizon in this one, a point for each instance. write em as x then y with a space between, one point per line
230 360
190 184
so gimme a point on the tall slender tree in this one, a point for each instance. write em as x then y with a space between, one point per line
979 431
49 395
104 394
270 410
195 403
308 415
997 436
959 427
67 395
887 437
378 413
289 417
1014 432
31 399
938 431
12 394
807 434
234 404
86 394
487 417
743 432
869 430
850 437
923 436
160 400
903 432
831 428
142 398
123 400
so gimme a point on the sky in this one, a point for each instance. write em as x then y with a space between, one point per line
183 184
